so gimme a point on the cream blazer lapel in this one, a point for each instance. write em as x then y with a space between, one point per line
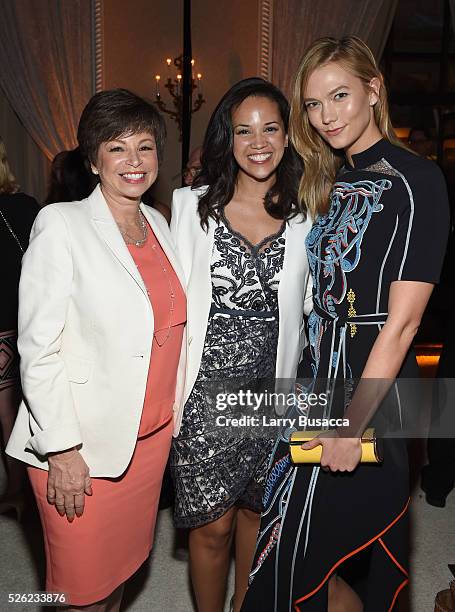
199 295
107 229
109 232
161 230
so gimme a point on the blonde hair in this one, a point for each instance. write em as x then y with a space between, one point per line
8 183
321 161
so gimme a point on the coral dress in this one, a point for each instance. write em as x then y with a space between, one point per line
91 557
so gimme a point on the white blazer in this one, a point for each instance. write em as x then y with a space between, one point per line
194 247
85 337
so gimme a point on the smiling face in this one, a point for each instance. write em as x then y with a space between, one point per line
259 137
340 108
127 166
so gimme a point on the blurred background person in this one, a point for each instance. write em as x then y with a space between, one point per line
70 178
420 141
438 476
150 199
193 167
101 324
17 213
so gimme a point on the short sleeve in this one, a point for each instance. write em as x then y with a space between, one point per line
423 221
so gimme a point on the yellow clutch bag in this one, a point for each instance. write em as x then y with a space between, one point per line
371 451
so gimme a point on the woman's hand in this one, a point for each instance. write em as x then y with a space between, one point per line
338 454
68 482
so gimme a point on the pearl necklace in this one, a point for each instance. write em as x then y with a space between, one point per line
171 296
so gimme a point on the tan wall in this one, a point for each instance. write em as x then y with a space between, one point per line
138 38
225 45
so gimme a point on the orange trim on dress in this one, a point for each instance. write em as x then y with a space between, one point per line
397 592
400 567
351 554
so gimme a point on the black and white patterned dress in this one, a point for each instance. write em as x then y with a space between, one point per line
212 469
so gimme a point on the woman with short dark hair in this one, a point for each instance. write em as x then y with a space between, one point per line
101 325
240 237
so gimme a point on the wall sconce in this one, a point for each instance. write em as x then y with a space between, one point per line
174 85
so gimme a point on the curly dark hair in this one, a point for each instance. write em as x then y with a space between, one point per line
219 168
114 113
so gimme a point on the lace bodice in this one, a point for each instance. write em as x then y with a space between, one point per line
246 276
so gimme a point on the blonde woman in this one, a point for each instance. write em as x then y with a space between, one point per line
375 253
17 213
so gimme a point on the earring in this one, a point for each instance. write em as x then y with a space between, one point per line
95 171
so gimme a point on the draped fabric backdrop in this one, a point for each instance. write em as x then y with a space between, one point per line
46 67
297 23
30 166
452 12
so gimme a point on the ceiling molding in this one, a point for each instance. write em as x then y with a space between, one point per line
265 39
98 80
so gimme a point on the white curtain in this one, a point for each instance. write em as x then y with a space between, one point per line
29 164
46 67
297 23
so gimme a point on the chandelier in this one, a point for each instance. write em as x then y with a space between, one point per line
173 84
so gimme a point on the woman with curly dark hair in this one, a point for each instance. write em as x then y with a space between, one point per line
240 236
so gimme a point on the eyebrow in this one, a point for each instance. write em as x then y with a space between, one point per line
331 92
124 141
337 88
248 125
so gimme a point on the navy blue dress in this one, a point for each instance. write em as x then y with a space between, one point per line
388 221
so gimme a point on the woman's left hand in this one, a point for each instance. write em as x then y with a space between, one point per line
338 454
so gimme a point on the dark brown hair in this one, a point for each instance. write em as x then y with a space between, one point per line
70 178
114 113
218 166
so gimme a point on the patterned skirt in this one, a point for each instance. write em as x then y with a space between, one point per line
214 468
